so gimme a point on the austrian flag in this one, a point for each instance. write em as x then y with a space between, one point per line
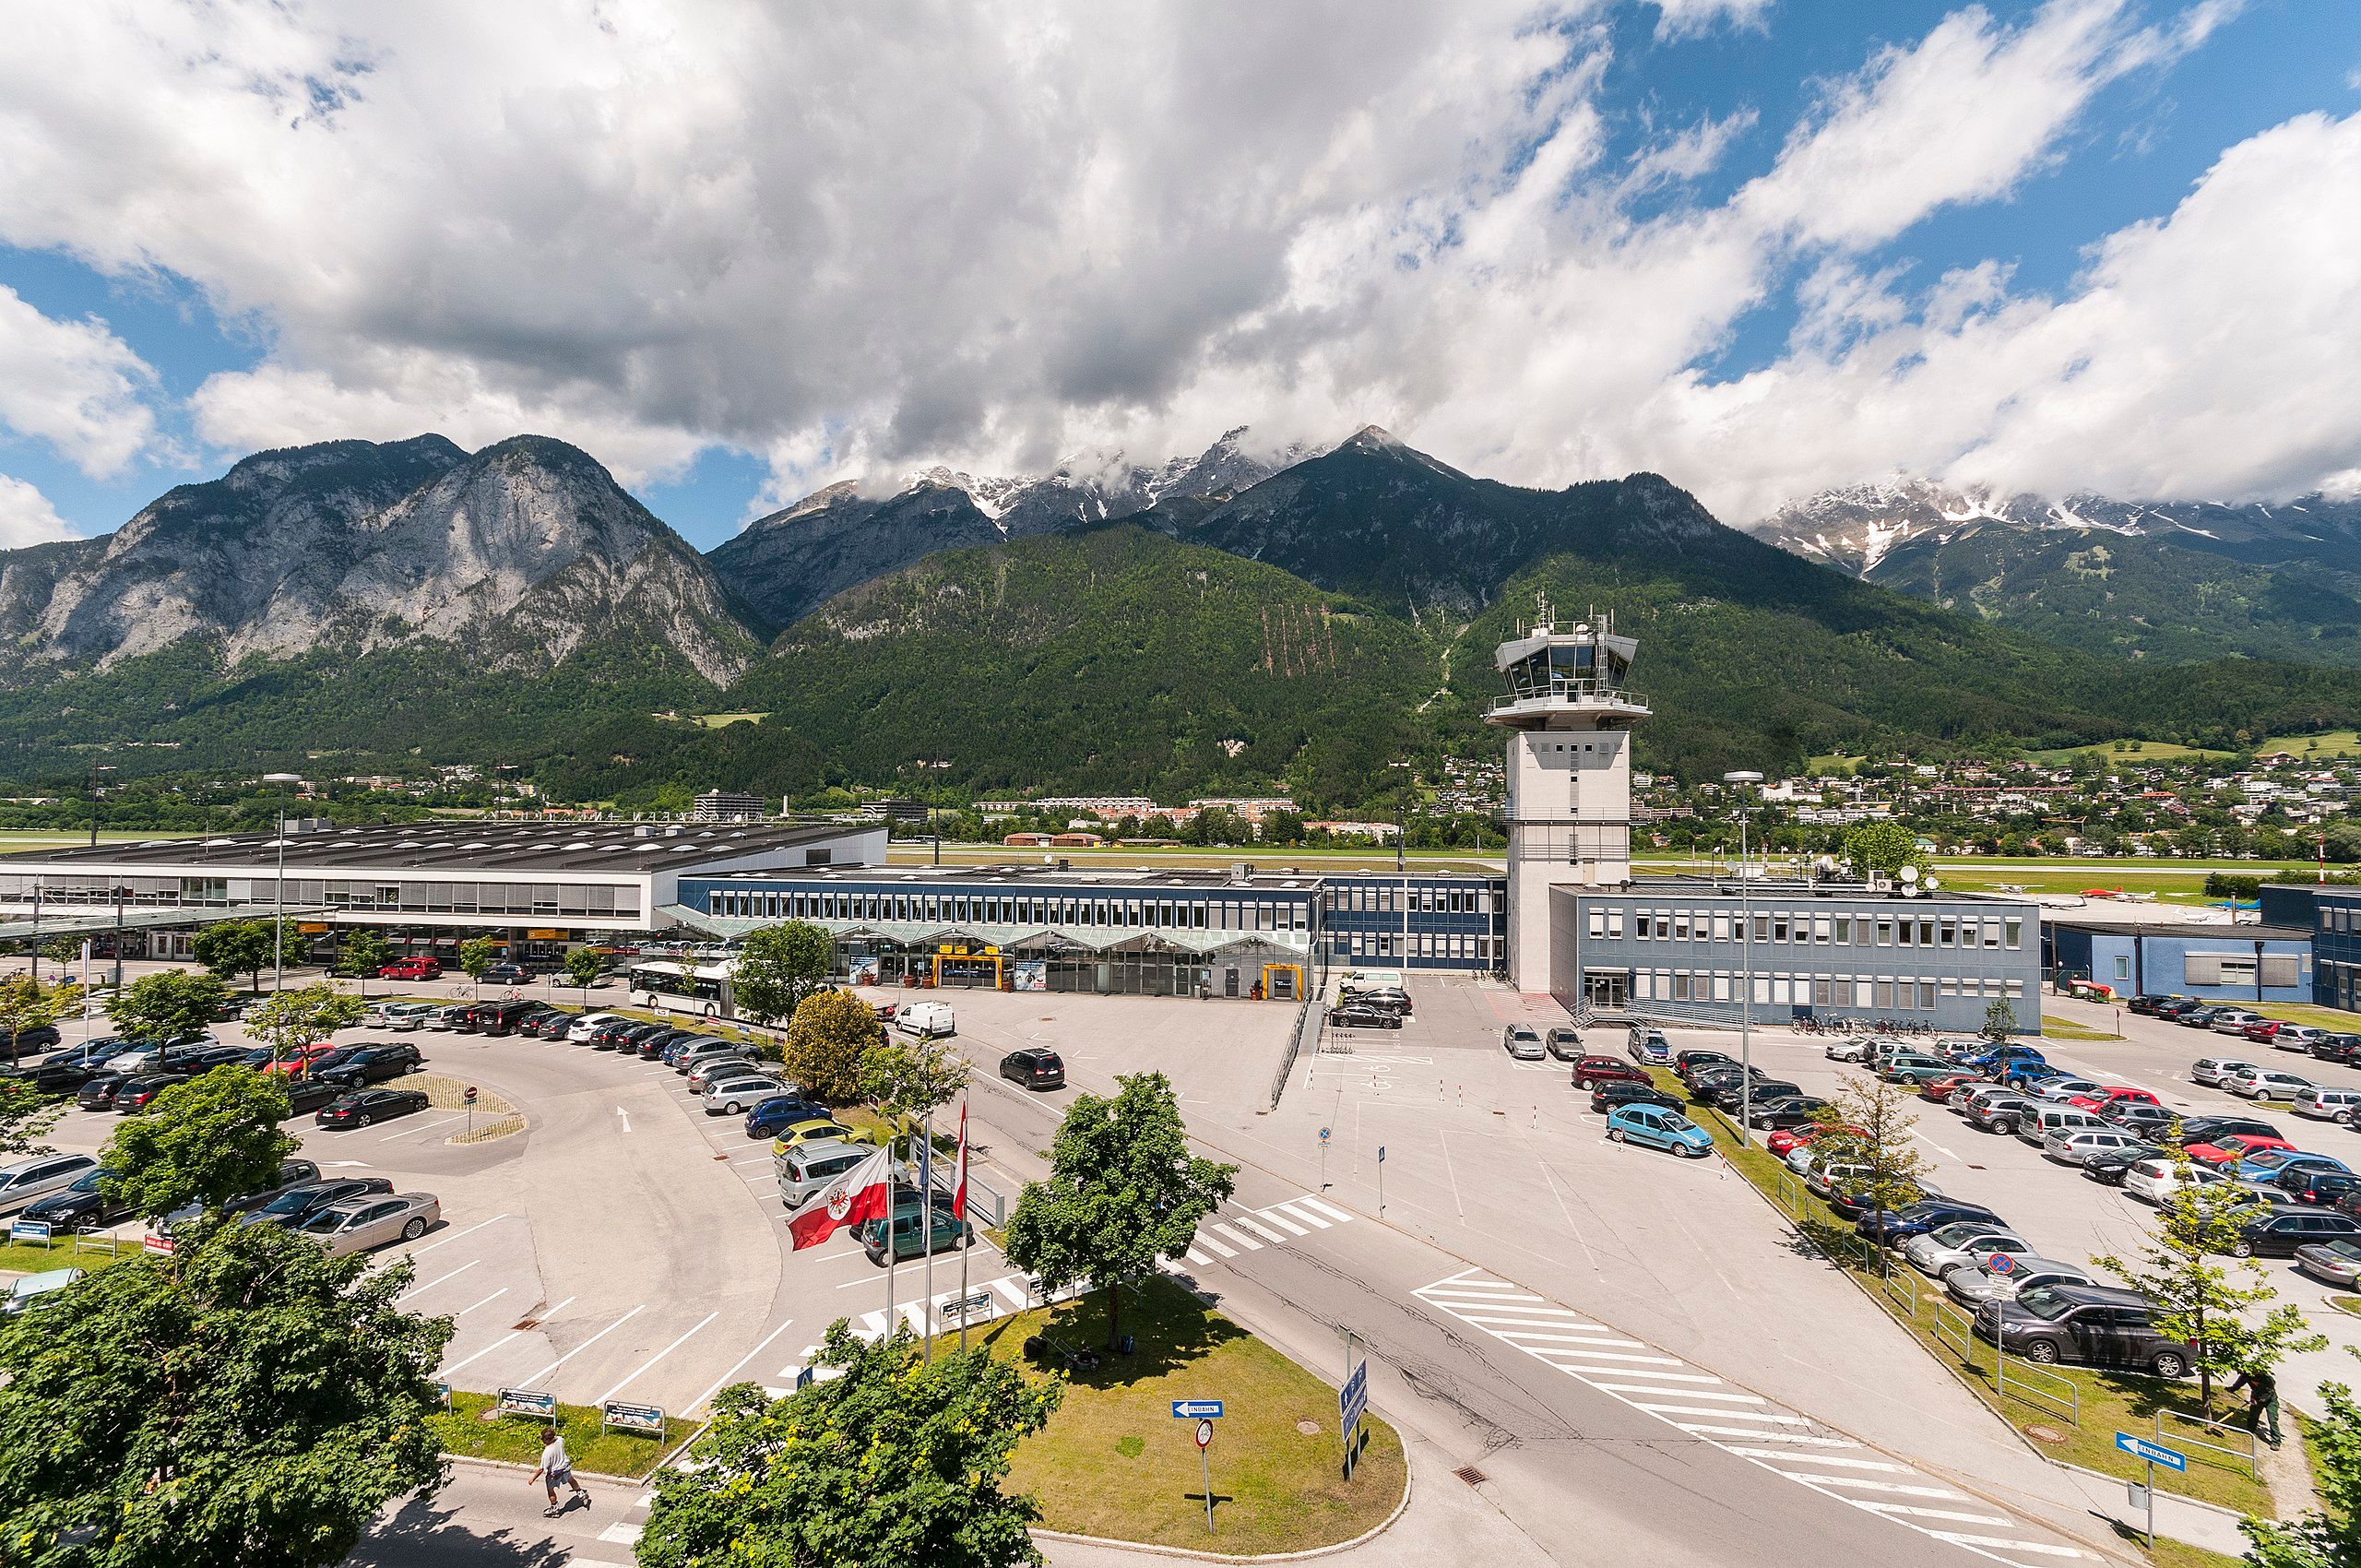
860 1194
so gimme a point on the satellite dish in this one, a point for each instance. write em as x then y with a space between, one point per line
1933 882
1909 874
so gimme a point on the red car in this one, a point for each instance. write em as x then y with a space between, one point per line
300 1060
2107 1100
419 968
1787 1140
1590 1071
2238 1145
2262 1029
1940 1089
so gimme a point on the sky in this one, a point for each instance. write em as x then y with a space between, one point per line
740 251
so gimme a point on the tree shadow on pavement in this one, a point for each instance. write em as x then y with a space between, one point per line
423 1533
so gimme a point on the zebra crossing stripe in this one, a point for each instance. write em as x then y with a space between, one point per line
1517 1336
2002 1544
1952 1514
1721 1415
1592 1375
1683 1393
1245 1244
1283 1222
1196 1258
1264 1231
1015 1294
1215 1247
1821 1459
1752 1435
1896 1488
1549 1353
1300 1211
1341 1217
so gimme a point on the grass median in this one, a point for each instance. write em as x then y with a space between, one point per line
2069 1413
464 1430
85 1252
1113 1461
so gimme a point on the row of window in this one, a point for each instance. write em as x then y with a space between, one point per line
1030 911
1380 900
1898 994
2345 917
404 898
1793 926
1465 946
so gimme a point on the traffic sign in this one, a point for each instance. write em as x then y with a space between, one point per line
1323 1134
469 1096
2154 1452
1381 1154
1353 1398
1195 1409
1204 1434
30 1230
2003 1263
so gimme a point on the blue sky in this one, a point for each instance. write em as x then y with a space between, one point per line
379 239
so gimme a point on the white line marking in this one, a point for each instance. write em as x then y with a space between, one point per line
449 1371
658 1356
1215 1247
1820 1459
1720 1415
1197 1258
1017 1295
1283 1222
421 1251
1765 1436
1551 1352
1245 1244
1294 1212
585 1345
1956 1538
1447 1171
1930 1513
485 1302
1588 1375
1264 1231
1517 1336
1894 1488
1341 1217
404 1131
431 1284
625 1116
620 1534
1683 1393
699 1401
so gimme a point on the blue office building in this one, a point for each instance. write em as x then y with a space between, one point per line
2215 962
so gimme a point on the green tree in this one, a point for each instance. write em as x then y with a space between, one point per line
169 1004
2197 1297
26 1117
895 1462
28 1004
1867 1123
778 967
249 1401
202 1142
294 1019
61 951
582 967
827 1041
243 947
2320 1540
476 955
2000 1020
907 1079
1123 1191
361 953
1883 848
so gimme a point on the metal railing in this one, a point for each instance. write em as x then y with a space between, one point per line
1956 1329
2060 1399
1307 1025
2246 1453
1573 689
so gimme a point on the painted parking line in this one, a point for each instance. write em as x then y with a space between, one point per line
485 1302
643 1367
421 1251
405 1132
720 1381
1738 1421
527 1382
420 1290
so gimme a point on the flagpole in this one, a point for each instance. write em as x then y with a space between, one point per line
959 1212
926 1220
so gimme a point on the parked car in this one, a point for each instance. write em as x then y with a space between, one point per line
1657 1126
1913 1067
2215 1071
2337 1048
1589 1070
1359 1015
414 968
1795 1110
298 1203
912 1221
2001 1111
2232 1021
2318 1184
585 1026
2198 1017
1730 1093
1565 1043
652 1046
2076 1146
39 1176
1971 1287
1845 1048
291 1173
2171 1011
1939 1090
98 1093
2267 1164
1648 1047
2109 1167
506 974
773 1116
1035 1068
1524 1042
1936 1253
2278 1235
731 1094
365 1107
299 1059
82 1204
2151 1005
2133 1116
1393 998
819 1130
2321 1103
927 1018
1686 1064
2093 1324
1787 1140
306 1095
2298 1037
711 1050
137 1094
459 1019
1895 1226
2064 1089
2105 1100
359 1223
2336 1261
805 1170
1606 1097
2195 1130
2264 1083
374 1064
2153 1181
2231 1147
35 1291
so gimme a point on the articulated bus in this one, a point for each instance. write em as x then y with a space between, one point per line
667 986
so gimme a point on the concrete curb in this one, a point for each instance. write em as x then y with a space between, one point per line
1181 1552
520 1467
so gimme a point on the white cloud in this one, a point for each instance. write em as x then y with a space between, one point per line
25 515
73 384
851 241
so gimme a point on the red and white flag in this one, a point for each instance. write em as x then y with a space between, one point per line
959 1186
860 1194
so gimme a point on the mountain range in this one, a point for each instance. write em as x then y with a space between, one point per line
1216 622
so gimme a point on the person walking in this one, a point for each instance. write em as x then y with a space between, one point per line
557 1470
2262 1403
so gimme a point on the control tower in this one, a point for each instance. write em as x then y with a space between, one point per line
1569 719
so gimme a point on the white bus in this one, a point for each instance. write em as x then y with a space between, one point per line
682 986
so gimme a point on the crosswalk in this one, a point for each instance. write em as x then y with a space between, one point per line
1741 1423
1251 1230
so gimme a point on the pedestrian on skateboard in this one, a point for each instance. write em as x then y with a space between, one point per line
557 1470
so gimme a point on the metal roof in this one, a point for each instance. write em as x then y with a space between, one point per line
627 848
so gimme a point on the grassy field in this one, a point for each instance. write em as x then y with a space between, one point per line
2175 887
518 1438
2086 1407
2335 742
1113 1461
2135 750
723 720
25 1257
2327 1019
2059 1029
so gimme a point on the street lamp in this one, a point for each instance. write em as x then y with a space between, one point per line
96 769
1746 995
278 886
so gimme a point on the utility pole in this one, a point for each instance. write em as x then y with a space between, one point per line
1743 778
96 769
279 887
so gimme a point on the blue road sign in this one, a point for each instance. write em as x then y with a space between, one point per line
1381 1154
2154 1452
1195 1409
1353 1398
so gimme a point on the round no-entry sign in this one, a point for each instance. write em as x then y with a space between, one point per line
470 1096
1204 1434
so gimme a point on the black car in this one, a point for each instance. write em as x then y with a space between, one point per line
373 1064
197 1061
1393 999
2091 1323
2278 1235
613 1037
2194 1017
1358 1014
2316 1184
2139 1116
82 1206
291 1173
2337 1048
296 1205
2150 1006
506 974
1727 1094
501 1018
137 1094
365 1106
1897 1226
1606 1096
461 1019
32 1041
98 1093
1689 1064
2173 1010
652 1047
308 1094
1034 1069
2109 1166
1795 1110
2206 1129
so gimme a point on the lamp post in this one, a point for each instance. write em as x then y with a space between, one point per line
1746 997
279 886
96 769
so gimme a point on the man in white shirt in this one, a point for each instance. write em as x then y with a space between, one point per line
557 1470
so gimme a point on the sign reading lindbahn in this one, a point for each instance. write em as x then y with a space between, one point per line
1195 1409
2154 1452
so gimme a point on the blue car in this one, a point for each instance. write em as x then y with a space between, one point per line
2003 1056
2269 1163
2028 1075
775 1115
1659 1126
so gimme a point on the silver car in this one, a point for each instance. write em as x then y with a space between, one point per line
1936 1253
37 1178
730 1093
2215 1071
1972 1286
2073 1146
358 1224
1524 1042
21 1294
713 1050
806 1169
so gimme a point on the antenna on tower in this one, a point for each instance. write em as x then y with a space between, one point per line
1541 598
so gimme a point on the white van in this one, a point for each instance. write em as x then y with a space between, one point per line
2044 1119
926 1018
